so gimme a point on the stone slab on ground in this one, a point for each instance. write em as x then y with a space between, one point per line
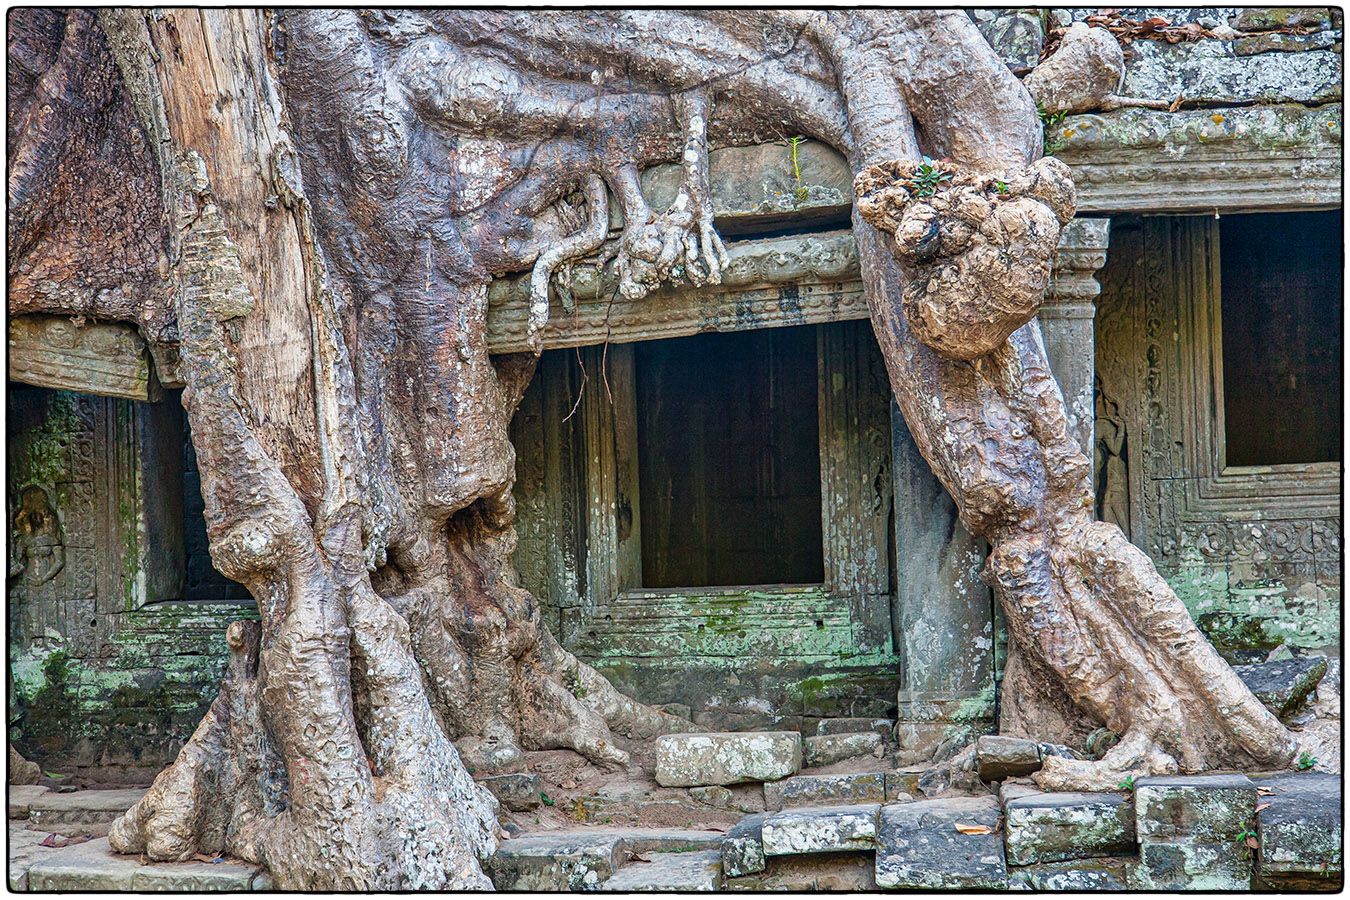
903 784
518 792
919 846
664 840
998 757
92 866
1051 827
699 871
692 760
822 790
1285 684
572 860
21 797
1300 829
821 829
852 872
743 847
54 809
1105 873
25 849
1202 808
883 727
1194 866
828 749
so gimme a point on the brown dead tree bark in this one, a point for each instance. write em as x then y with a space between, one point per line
309 206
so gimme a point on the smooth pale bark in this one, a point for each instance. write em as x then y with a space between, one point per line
332 193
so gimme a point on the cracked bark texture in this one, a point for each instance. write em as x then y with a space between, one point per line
330 193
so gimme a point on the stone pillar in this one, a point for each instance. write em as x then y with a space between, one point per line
1067 320
943 619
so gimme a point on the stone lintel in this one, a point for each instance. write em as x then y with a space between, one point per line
104 358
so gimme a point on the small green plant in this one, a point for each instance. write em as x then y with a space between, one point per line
1002 186
546 799
793 144
1127 784
1051 141
1248 840
1305 761
928 176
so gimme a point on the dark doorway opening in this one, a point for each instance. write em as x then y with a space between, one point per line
1281 308
729 459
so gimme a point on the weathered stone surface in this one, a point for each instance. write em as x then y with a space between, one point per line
817 790
1284 43
1017 35
1000 757
1104 873
92 866
743 848
21 797
1285 684
24 848
714 795
919 846
517 792
1194 866
852 872
103 358
556 861
1300 829
698 871
1265 18
883 727
666 840
688 760
22 772
1193 807
1058 826
51 810
826 749
1209 71
903 784
821 829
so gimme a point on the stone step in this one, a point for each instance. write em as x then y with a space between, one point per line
700 871
578 859
80 812
1051 827
850 872
21 797
1299 827
827 749
1285 684
919 845
92 866
722 758
822 829
822 790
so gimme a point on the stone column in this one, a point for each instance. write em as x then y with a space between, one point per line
943 617
1067 320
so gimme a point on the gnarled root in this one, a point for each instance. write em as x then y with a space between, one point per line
976 250
579 244
681 242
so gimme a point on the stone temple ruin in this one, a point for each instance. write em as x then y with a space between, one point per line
720 508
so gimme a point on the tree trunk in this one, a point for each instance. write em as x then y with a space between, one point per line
333 192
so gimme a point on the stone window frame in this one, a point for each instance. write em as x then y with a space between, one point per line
854 440
1284 490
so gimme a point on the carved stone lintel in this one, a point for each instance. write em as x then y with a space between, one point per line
108 359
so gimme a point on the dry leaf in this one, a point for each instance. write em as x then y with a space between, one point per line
1261 806
1253 843
638 857
203 857
973 829
1264 791
1176 104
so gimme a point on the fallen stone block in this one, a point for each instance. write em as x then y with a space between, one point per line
903 784
1199 808
824 750
556 861
518 792
1058 826
1194 866
1284 685
21 797
699 871
666 840
822 790
821 829
852 872
53 810
743 847
883 727
1104 873
919 845
92 866
691 760
1300 828
998 757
